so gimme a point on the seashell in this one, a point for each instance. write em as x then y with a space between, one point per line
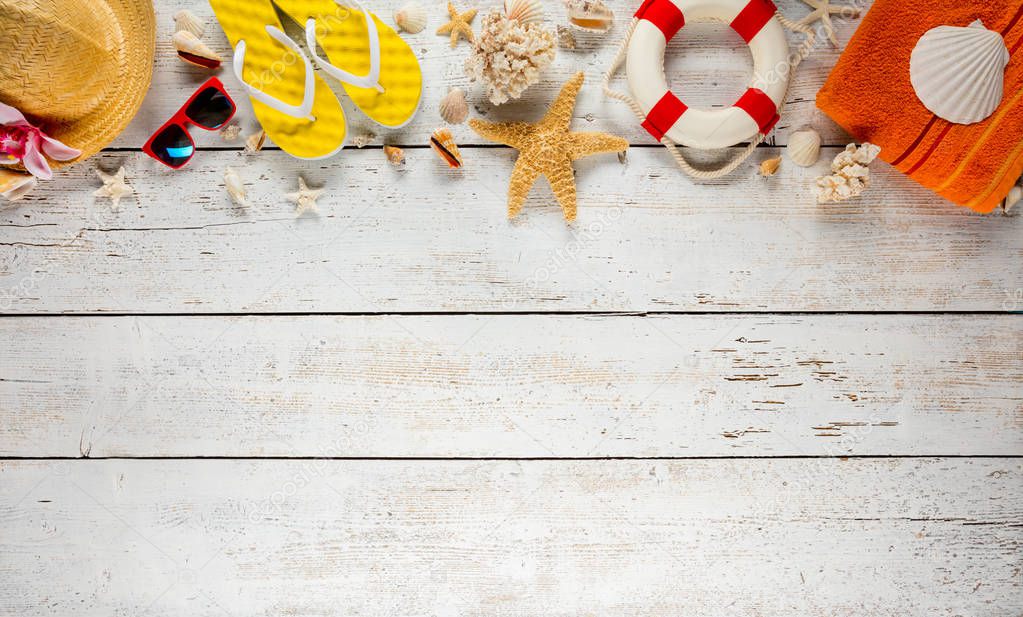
769 167
454 109
395 155
193 51
1015 194
589 15
231 132
15 185
566 39
411 18
443 143
234 186
958 73
185 20
804 147
524 11
254 143
363 139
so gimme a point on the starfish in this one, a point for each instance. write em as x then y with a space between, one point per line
822 10
459 25
113 187
305 198
548 148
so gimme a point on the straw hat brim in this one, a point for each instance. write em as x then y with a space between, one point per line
132 35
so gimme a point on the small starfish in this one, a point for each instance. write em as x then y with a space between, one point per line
459 25
305 198
113 187
548 148
822 10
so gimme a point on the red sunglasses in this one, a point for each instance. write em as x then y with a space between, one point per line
209 108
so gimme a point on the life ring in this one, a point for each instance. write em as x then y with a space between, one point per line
666 115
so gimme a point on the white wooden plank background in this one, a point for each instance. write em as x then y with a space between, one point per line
699 538
886 483
429 239
512 386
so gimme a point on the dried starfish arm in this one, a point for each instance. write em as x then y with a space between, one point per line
514 134
560 113
562 181
582 144
522 179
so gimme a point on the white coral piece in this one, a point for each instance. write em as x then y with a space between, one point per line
850 173
509 55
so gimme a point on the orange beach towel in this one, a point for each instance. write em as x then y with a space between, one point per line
870 95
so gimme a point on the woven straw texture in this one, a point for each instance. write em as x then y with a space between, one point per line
79 69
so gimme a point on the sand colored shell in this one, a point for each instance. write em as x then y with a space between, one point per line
15 185
804 147
193 51
235 187
443 143
958 73
395 155
1013 198
524 11
453 108
411 18
231 132
769 167
254 143
185 20
566 38
590 15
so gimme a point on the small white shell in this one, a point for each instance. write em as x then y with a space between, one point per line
234 186
589 15
193 51
566 39
185 20
411 18
524 11
14 185
363 139
254 143
231 132
453 107
804 147
958 73
1015 194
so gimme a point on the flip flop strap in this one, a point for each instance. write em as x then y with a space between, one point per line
303 110
370 79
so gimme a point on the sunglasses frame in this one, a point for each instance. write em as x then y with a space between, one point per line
182 121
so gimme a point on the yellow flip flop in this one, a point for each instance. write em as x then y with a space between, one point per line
296 108
381 73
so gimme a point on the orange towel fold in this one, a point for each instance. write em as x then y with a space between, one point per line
870 95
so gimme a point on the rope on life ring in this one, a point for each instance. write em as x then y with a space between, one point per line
705 174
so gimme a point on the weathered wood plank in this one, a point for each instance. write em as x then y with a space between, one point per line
430 239
511 386
710 65
700 538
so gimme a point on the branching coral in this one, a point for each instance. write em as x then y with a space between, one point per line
509 55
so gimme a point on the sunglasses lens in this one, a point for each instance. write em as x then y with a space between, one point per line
173 146
210 109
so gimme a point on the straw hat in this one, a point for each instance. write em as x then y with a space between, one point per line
78 69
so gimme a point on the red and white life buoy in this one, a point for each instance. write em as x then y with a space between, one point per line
666 115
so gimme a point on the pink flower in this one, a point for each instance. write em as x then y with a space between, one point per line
20 142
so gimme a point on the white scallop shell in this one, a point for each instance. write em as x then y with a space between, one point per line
453 107
958 73
187 21
235 187
411 18
804 147
524 11
15 185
